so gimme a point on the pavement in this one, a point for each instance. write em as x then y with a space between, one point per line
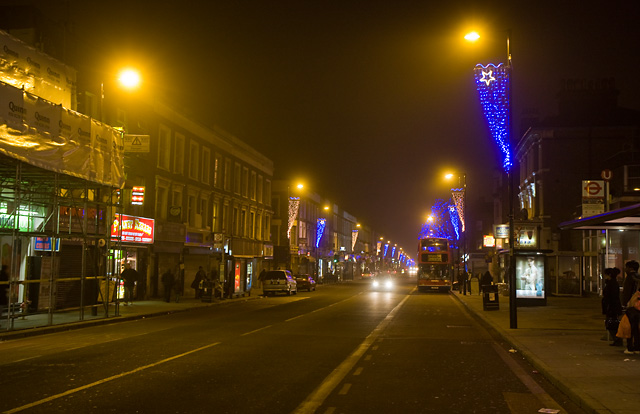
565 341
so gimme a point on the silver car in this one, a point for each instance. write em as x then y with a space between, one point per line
279 281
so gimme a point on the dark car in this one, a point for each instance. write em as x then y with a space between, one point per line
305 282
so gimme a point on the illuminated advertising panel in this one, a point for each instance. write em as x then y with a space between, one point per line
133 229
530 277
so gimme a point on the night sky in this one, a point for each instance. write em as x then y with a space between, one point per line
369 101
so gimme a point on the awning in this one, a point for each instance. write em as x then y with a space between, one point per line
625 218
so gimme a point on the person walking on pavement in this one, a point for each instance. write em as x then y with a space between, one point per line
611 306
167 282
633 313
630 284
486 280
129 276
196 285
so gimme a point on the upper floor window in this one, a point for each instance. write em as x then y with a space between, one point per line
206 165
164 148
217 164
245 182
178 163
194 150
267 192
260 184
227 174
237 177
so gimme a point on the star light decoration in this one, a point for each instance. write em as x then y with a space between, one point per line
294 205
458 199
320 226
354 238
493 84
445 222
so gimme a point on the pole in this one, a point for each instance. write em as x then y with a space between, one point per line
513 306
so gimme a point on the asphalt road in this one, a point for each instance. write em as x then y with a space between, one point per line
341 349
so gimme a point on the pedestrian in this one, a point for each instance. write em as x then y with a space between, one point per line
463 279
229 284
178 284
198 282
167 282
4 289
129 276
611 306
630 284
486 280
262 276
633 313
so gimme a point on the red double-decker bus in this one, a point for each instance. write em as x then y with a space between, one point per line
435 271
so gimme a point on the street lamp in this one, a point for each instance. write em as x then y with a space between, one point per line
494 84
128 78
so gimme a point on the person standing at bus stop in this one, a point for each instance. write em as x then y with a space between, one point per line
129 276
463 279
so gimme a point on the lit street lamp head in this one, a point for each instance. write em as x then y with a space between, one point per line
129 78
472 36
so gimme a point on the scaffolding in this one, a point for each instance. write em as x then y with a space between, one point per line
41 213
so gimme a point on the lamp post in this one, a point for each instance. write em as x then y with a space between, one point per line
495 87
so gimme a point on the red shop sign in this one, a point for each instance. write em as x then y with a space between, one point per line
132 229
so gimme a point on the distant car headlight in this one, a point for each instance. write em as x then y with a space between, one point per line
376 283
388 284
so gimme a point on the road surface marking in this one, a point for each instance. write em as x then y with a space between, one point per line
345 389
358 371
105 380
316 398
256 330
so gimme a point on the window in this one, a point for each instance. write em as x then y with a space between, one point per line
217 164
194 149
267 227
259 226
227 174
252 186
225 217
206 165
202 213
267 192
164 148
191 209
245 182
260 184
252 223
178 156
236 178
234 224
176 197
243 223
162 200
215 219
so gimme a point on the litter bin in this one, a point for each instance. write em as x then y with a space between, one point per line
490 298
207 291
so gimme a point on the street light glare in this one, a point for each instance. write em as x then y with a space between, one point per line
472 36
448 176
129 78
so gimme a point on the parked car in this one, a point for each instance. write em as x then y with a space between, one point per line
305 282
279 281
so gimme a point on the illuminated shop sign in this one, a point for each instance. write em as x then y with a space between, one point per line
132 229
45 243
